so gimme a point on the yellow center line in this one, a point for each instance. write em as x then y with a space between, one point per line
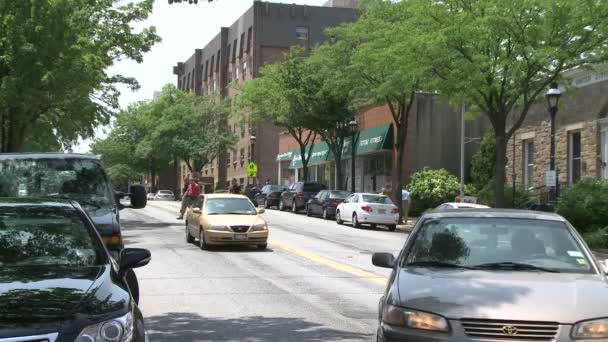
333 264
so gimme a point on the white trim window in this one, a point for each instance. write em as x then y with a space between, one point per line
604 150
529 163
574 157
302 32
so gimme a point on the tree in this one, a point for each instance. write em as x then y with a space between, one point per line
186 126
54 56
284 95
500 56
382 66
484 161
335 101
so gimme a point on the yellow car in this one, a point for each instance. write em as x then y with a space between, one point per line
224 219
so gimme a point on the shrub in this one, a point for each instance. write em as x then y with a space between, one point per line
597 239
585 205
429 188
523 198
484 161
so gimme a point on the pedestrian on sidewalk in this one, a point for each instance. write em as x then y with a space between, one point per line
190 196
405 204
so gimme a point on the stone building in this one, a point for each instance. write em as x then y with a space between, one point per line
581 142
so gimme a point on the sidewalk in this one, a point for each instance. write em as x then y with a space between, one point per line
411 222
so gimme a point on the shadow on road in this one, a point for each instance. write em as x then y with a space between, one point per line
142 225
190 327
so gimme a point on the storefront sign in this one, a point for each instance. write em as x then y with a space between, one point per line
550 178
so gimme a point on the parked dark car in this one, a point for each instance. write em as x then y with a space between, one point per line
298 195
325 203
269 196
493 275
58 281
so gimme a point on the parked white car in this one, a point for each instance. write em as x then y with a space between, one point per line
151 196
371 209
164 195
461 205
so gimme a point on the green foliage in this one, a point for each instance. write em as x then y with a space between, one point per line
147 136
429 188
597 239
54 57
484 161
500 56
584 205
471 190
523 198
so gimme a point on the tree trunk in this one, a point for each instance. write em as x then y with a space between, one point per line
305 172
500 172
339 173
15 139
400 149
153 182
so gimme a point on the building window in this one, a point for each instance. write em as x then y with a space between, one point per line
228 55
206 71
217 62
249 152
242 181
249 33
188 83
234 51
229 75
244 69
574 157
528 164
214 85
604 150
236 73
228 159
242 45
302 32
242 156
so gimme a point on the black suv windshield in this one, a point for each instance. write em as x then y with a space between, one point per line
31 236
82 180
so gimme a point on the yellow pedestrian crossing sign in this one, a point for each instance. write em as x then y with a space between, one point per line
252 169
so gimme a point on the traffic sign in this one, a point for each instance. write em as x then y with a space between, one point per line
252 174
550 178
252 168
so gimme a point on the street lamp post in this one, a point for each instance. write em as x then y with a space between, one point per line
252 140
553 96
352 125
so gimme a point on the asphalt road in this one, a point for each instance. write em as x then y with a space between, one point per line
314 283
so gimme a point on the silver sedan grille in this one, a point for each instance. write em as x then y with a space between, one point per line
510 330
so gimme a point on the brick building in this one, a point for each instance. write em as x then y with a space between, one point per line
433 141
260 36
581 148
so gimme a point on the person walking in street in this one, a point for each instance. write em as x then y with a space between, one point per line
405 204
190 196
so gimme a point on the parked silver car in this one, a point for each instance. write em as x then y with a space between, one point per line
164 195
493 275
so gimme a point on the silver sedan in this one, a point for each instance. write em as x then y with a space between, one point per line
493 275
164 195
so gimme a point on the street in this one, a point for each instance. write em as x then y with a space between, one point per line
315 282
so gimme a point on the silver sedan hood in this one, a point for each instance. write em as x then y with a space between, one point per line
504 295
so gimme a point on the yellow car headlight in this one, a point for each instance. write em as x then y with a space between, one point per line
414 319
597 328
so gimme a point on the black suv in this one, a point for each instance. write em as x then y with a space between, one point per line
78 177
298 195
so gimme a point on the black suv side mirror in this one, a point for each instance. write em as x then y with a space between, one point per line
133 258
386 260
137 193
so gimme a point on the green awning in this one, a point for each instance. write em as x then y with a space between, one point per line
320 154
370 140
375 139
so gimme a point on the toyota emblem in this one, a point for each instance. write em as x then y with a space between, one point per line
509 330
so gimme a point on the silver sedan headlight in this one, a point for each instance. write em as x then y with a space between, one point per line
115 330
219 227
597 328
414 319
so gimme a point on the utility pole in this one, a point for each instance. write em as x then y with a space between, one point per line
462 151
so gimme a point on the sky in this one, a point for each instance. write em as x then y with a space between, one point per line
183 28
